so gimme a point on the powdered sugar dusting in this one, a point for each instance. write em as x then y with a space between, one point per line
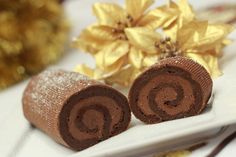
50 88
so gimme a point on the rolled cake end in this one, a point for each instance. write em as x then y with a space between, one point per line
174 88
73 110
93 115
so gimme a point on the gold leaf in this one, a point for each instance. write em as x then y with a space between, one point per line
84 70
143 38
161 16
199 36
190 34
109 14
149 60
136 57
136 8
186 10
209 62
185 15
125 76
94 38
111 54
213 64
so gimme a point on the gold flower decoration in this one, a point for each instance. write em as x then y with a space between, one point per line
125 42
107 40
33 34
174 16
197 40
203 41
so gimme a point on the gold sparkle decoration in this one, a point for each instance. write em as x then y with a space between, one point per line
180 153
32 35
125 42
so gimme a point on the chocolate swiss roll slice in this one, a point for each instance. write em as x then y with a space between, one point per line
174 88
73 110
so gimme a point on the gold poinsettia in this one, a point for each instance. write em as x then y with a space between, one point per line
174 16
108 43
214 40
197 40
124 42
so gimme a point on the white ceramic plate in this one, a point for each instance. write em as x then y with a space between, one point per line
139 138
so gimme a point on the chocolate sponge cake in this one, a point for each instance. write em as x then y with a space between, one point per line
174 88
73 110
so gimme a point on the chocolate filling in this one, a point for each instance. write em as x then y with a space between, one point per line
92 118
92 134
177 88
160 109
99 108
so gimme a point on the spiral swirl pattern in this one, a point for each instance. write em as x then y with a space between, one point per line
93 116
177 87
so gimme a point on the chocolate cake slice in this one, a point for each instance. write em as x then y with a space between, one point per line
73 110
174 88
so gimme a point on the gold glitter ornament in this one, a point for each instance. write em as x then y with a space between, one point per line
32 35
180 153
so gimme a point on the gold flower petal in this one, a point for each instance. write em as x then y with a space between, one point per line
185 15
208 61
110 54
200 36
149 60
199 59
219 32
186 10
213 64
109 14
84 70
116 67
189 35
136 8
125 76
161 16
143 39
94 38
136 57
96 73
